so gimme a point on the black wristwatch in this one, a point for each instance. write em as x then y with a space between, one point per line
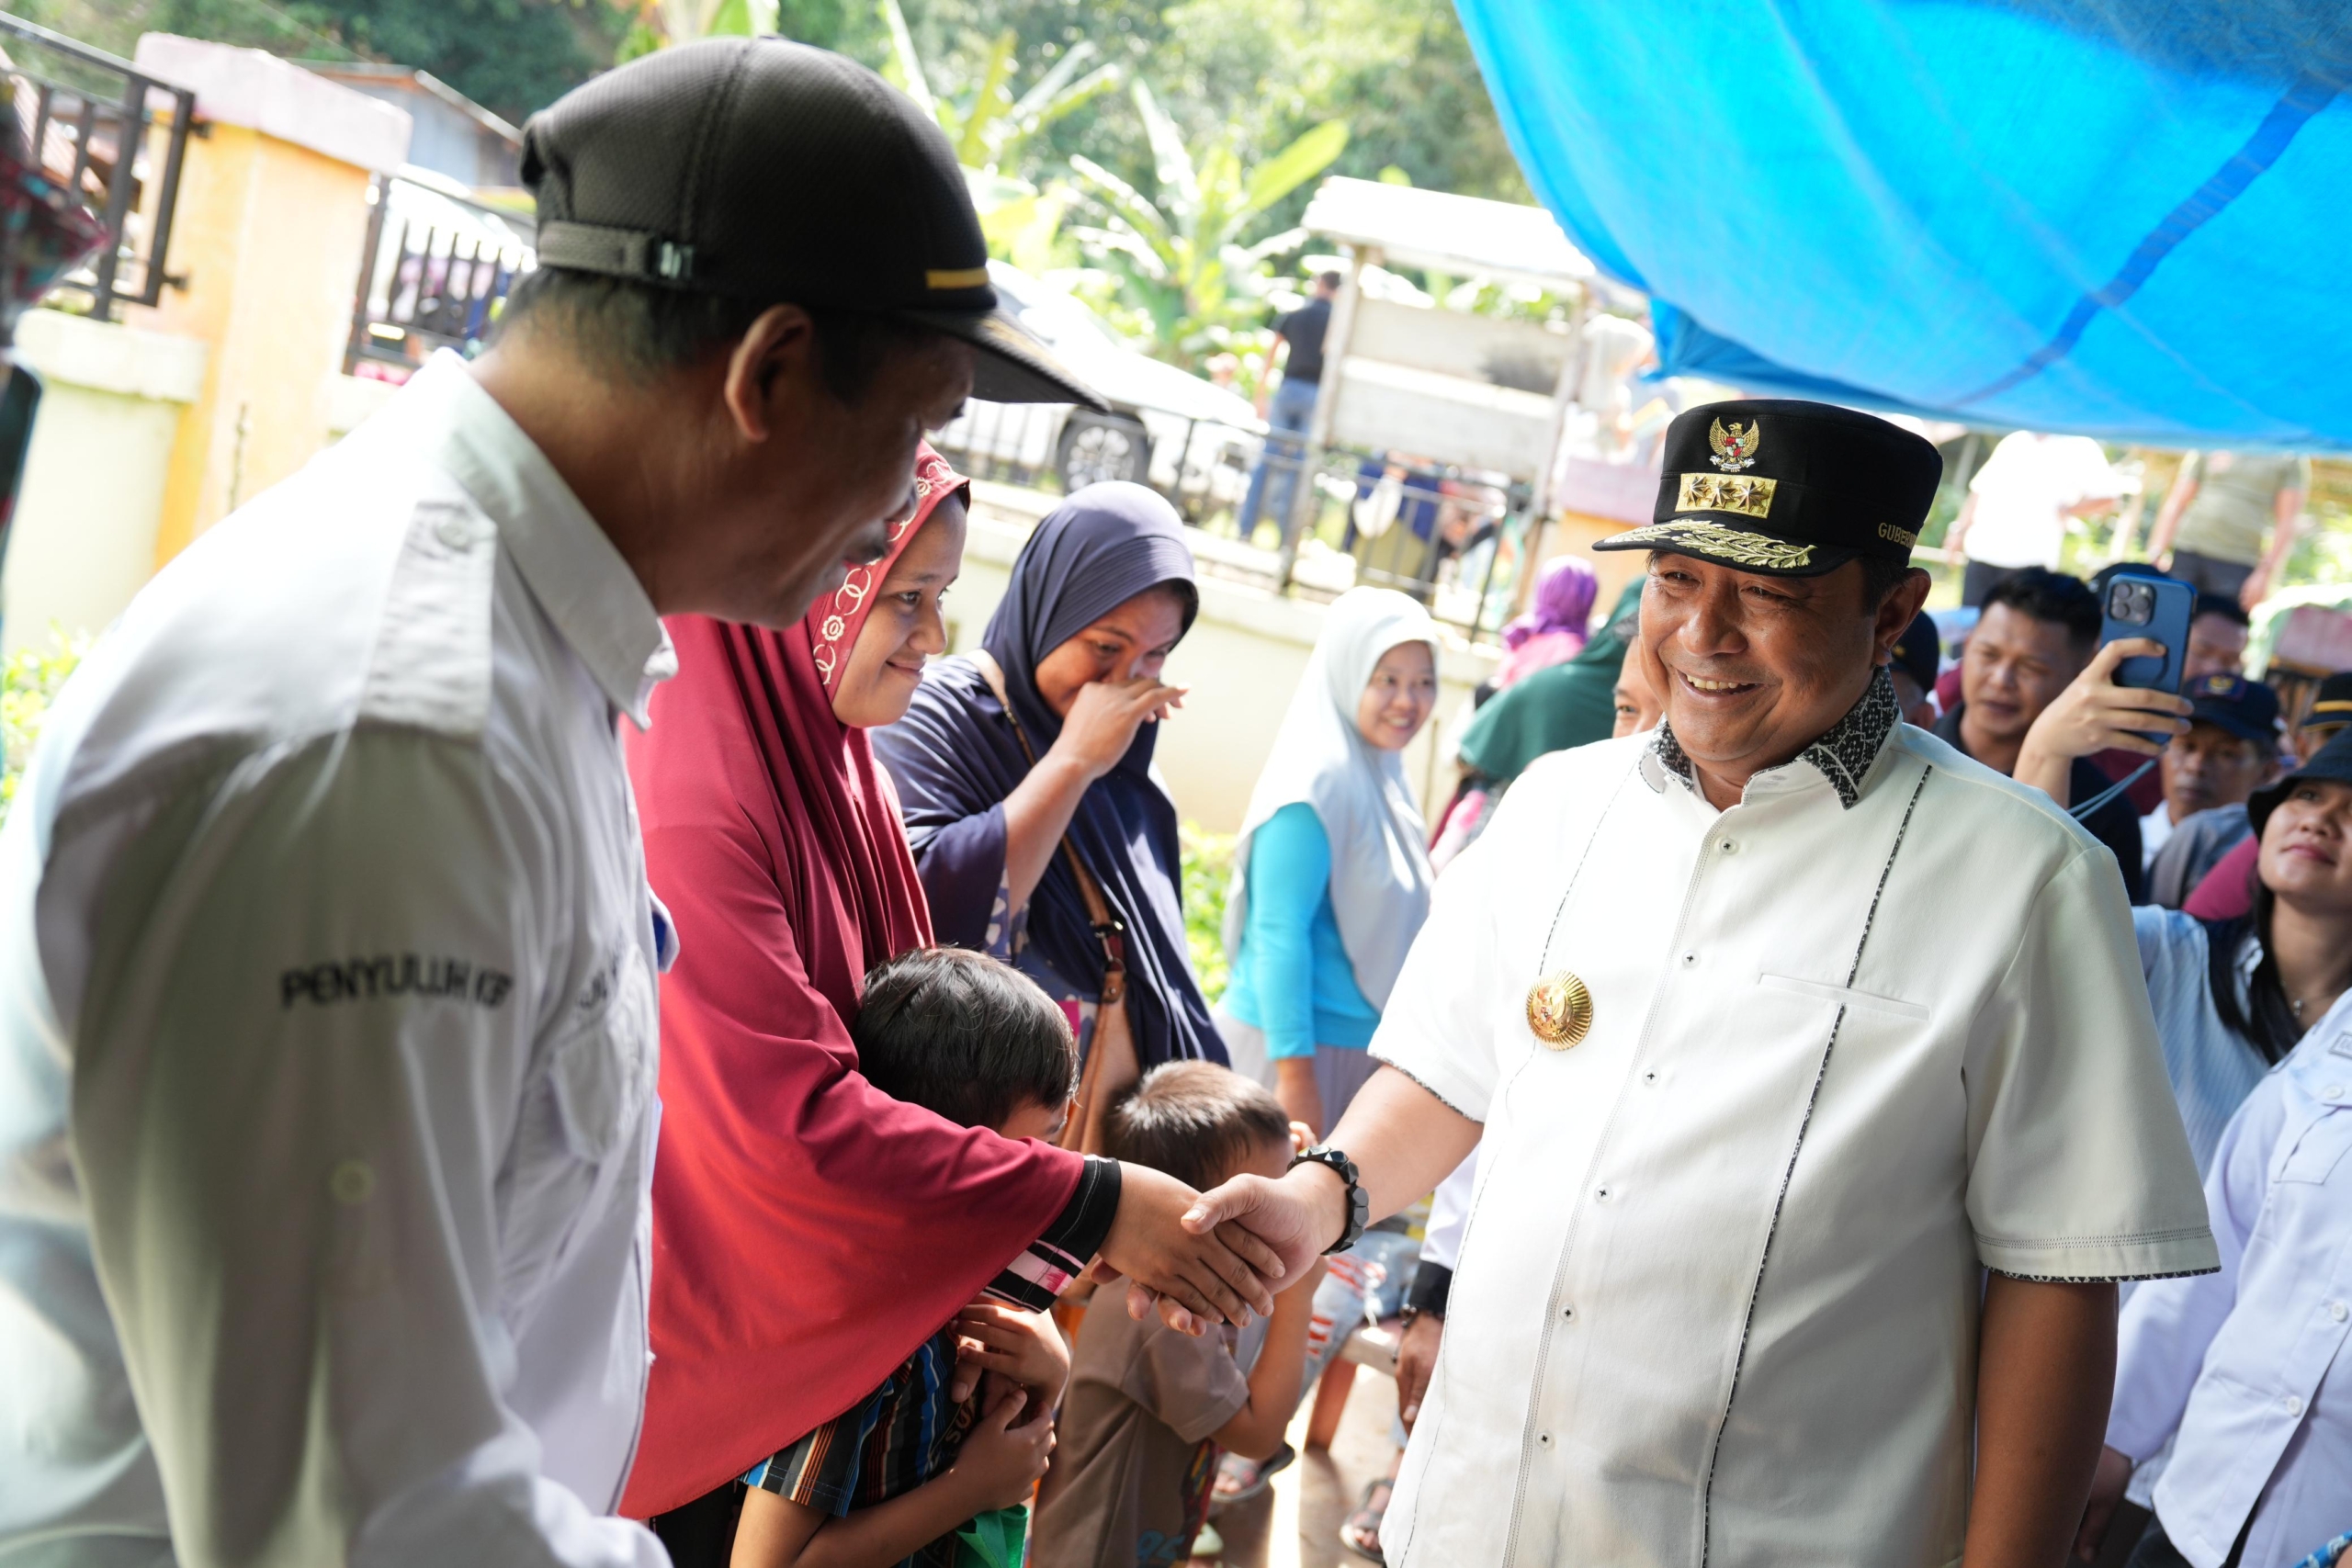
1432 1285
1359 1206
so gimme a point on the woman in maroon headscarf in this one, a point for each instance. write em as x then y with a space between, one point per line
809 1232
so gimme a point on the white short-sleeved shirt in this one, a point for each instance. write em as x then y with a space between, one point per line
2023 492
327 1034
1874 1029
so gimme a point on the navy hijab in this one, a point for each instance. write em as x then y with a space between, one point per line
955 758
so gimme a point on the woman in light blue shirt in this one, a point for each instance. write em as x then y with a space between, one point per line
1331 870
1332 884
2233 997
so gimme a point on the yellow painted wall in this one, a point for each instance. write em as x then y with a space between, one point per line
83 539
269 236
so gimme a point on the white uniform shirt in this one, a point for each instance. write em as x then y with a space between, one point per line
2246 1371
1877 1027
327 1062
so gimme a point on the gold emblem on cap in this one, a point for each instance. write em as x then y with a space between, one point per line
1736 445
1559 1009
1721 492
959 277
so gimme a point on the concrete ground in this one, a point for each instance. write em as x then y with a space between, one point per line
1295 1524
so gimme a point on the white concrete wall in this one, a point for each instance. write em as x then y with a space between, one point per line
84 535
1242 661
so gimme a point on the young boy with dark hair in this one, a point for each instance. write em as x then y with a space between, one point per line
1151 1409
891 1480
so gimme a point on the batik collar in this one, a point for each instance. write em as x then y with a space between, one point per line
1843 755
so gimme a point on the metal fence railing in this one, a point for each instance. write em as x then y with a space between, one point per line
1450 538
1455 539
115 136
436 267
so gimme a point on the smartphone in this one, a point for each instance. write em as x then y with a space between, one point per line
2154 607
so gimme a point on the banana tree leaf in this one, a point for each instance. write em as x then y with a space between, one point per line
1124 202
742 19
904 68
976 144
1170 161
1040 92
1294 165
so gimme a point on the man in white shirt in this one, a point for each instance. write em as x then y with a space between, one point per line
1799 1200
326 1074
2018 503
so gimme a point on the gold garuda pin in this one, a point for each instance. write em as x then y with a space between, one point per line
1559 1009
1735 445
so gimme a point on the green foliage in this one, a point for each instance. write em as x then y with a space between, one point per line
510 56
1180 253
30 682
1207 872
987 125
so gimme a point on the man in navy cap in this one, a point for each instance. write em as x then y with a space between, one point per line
2229 750
1800 1205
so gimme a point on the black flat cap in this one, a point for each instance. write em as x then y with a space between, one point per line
769 171
1788 489
2331 763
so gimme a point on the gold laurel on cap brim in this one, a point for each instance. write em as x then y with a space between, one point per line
1734 547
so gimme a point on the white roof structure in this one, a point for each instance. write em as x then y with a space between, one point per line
1461 235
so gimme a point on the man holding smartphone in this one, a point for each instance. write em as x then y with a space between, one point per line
1799 1206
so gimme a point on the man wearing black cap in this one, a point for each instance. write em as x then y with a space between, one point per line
328 1093
2329 711
1798 1201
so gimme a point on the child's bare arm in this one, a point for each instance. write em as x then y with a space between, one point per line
1257 1432
994 1468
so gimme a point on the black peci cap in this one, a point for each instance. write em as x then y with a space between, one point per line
769 171
1788 489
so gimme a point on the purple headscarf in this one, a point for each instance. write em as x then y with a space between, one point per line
1555 628
1564 596
954 760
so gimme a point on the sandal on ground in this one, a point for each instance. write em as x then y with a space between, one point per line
1239 1479
1361 1531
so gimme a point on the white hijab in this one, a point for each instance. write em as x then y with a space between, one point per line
1380 863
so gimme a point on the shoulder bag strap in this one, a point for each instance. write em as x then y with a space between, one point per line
1111 1065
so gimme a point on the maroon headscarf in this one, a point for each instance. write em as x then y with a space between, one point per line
808 1231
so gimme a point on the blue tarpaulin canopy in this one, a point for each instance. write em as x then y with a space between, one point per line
2131 219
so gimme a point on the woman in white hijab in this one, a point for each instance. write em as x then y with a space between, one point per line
1331 883
1331 876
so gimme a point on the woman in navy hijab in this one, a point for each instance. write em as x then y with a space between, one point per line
1024 775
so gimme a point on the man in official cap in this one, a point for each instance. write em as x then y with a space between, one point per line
327 1091
1797 1201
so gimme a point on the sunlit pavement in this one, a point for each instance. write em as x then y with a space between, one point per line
1296 1523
